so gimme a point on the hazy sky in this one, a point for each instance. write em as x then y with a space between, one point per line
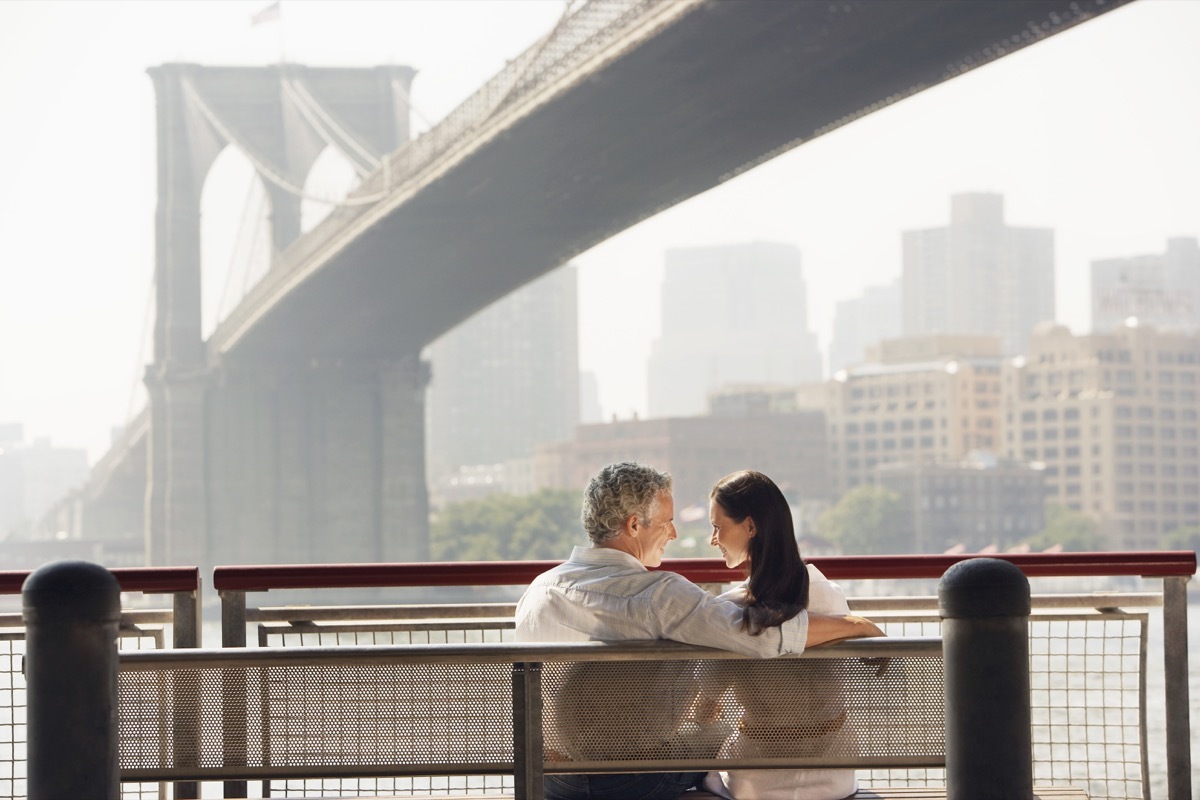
1094 133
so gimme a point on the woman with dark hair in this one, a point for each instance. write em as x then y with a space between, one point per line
752 527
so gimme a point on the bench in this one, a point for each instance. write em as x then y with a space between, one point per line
524 710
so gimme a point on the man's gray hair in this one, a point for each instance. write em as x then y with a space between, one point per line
618 492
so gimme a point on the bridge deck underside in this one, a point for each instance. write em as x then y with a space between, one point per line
726 86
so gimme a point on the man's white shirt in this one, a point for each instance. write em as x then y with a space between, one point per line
604 594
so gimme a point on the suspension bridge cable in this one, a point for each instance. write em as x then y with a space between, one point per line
327 127
266 171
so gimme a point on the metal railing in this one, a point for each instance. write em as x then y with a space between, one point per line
1089 724
141 629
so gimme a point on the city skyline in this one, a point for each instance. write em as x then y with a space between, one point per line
1090 133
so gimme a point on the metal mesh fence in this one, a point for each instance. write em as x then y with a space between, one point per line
396 633
1087 683
13 705
675 714
413 720
1087 698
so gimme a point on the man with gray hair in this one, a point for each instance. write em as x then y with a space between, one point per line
607 593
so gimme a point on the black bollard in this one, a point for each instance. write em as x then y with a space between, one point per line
984 605
72 611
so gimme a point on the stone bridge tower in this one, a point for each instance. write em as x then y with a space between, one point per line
288 456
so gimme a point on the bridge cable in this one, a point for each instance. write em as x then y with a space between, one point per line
263 169
406 98
252 207
328 128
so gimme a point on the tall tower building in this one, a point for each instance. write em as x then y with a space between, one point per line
862 322
1162 290
979 275
730 314
507 378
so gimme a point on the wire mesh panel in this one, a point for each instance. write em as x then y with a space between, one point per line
1087 679
783 712
12 715
318 720
364 632
1087 702
323 634
13 706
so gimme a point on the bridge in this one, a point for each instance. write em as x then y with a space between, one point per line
296 430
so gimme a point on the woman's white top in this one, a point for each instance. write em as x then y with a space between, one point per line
824 597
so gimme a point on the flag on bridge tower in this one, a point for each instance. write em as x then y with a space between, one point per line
267 14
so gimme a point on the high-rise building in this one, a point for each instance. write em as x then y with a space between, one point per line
979 275
1162 290
862 322
1113 416
730 314
506 379
923 400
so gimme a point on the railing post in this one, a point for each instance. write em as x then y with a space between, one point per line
72 612
233 634
1175 674
186 632
984 604
528 755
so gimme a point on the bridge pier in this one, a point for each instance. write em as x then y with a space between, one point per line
322 462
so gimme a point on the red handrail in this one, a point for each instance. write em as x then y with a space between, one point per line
149 580
702 570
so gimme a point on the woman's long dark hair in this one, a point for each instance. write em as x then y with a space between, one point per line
778 585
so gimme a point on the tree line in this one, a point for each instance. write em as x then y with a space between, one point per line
545 526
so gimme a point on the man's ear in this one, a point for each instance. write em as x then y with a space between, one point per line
633 525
